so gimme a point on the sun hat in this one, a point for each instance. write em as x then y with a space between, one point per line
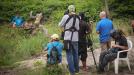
71 8
55 36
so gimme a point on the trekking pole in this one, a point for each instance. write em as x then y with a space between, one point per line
91 47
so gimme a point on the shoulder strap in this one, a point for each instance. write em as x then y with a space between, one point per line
70 16
72 28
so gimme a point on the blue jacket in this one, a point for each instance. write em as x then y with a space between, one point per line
58 45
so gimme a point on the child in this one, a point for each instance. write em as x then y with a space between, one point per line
50 46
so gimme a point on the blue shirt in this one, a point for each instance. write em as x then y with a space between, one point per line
59 47
18 21
104 27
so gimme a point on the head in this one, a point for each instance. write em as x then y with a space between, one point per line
82 16
102 14
71 8
55 37
116 34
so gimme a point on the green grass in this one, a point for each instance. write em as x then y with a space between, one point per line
53 70
17 45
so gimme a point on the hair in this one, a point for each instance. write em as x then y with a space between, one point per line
82 15
116 34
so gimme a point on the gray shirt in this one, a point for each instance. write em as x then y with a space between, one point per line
68 34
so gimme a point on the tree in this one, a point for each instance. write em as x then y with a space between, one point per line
121 8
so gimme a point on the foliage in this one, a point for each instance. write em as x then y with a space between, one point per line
46 6
47 70
16 45
121 8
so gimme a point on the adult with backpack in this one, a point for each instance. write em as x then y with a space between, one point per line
70 23
54 50
83 32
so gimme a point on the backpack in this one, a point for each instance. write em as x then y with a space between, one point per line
72 28
53 58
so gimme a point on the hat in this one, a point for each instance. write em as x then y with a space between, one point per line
71 8
55 36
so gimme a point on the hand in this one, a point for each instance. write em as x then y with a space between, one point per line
115 46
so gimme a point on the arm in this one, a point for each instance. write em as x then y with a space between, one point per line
62 22
98 28
122 47
31 15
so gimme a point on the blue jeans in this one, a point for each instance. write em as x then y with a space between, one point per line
72 58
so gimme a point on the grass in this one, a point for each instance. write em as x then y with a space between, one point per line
17 45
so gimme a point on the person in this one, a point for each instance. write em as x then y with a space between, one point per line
54 43
28 26
70 23
17 21
84 30
38 17
38 23
109 55
103 28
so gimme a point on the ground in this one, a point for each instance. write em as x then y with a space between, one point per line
33 62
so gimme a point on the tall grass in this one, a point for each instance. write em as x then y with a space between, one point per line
16 44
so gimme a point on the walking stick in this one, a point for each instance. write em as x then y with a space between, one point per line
91 48
91 45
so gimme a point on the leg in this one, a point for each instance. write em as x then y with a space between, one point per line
109 57
70 61
75 56
102 55
103 46
14 25
84 56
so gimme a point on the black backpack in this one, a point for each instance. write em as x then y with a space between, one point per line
53 58
72 28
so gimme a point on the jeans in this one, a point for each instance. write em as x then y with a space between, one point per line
72 58
107 56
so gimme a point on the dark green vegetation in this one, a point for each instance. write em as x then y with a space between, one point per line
121 8
8 8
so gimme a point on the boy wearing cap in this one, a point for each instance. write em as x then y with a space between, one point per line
55 42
